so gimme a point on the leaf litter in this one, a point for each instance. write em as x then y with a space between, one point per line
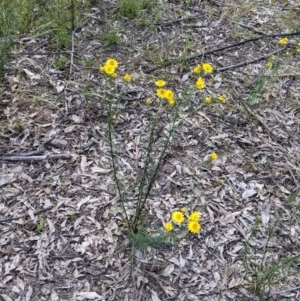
81 253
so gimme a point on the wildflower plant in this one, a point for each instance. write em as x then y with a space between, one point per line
163 99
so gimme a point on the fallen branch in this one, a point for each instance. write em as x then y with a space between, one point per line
37 158
32 153
193 57
250 62
3 220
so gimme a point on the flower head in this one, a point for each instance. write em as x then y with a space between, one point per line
221 181
283 41
197 69
160 83
148 101
207 99
127 77
168 226
194 227
109 67
200 83
195 216
222 97
171 102
177 217
112 63
207 68
109 70
161 93
269 64
213 156
169 95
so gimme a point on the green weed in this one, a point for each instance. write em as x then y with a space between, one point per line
132 8
263 269
41 225
112 38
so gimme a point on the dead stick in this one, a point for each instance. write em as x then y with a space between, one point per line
3 220
171 62
37 158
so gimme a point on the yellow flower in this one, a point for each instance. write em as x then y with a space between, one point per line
269 64
213 156
101 68
283 41
112 63
169 95
161 93
194 216
197 69
207 68
149 101
177 217
298 44
168 226
222 97
109 70
200 83
194 227
171 102
221 181
259 218
207 99
17 32
298 50
183 209
127 77
160 83
287 53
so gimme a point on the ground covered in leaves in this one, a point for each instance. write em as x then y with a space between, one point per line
61 222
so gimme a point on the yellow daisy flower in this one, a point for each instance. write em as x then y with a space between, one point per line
127 77
207 99
161 93
197 69
222 97
149 101
168 226
194 216
213 156
283 41
160 83
207 68
109 70
194 227
112 63
169 95
171 102
200 83
177 217
269 64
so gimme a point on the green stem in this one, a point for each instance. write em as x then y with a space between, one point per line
113 157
